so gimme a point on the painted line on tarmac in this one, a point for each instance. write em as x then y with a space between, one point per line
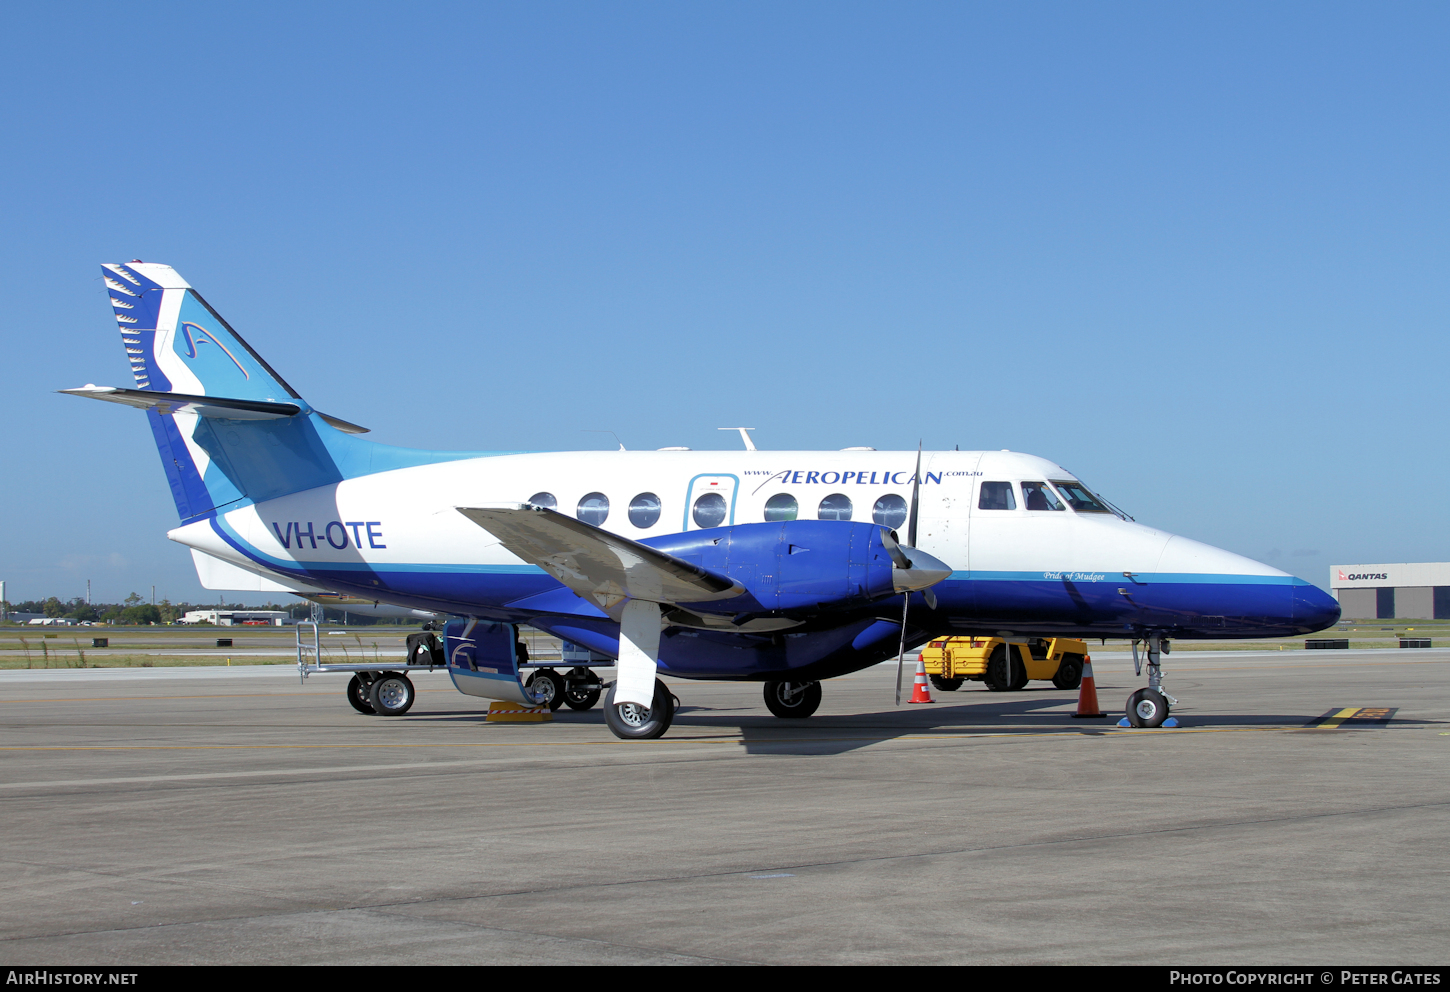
640 746
414 767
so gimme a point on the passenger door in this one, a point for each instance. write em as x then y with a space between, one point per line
710 501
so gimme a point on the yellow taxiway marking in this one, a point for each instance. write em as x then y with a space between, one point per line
1338 718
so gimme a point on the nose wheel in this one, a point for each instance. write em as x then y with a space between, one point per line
1149 707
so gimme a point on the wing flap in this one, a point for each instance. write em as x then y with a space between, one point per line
598 566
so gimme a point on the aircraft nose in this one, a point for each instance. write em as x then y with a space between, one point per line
1314 608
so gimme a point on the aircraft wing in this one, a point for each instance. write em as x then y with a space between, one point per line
598 566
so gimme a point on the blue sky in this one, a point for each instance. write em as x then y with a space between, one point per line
1196 253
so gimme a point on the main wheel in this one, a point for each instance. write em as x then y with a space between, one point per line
1147 708
946 685
633 722
579 699
391 694
549 684
792 699
357 694
1069 672
1000 677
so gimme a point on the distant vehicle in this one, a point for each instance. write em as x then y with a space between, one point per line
954 660
237 618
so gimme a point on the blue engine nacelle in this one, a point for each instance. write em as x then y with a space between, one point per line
795 565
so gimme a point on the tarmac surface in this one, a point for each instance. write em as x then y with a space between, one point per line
234 816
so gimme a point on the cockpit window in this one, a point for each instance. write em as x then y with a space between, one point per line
1079 498
1039 496
997 496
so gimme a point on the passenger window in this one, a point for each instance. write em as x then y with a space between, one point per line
889 511
593 509
644 510
997 496
709 510
544 499
836 506
1039 496
1079 498
781 506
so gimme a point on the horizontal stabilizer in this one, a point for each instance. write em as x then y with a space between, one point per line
598 566
205 406
214 573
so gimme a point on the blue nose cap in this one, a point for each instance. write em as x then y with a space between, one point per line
1314 609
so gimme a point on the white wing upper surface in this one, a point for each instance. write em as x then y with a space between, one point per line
598 566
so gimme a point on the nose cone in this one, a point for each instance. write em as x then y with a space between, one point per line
924 571
1314 609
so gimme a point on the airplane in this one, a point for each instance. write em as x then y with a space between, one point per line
783 567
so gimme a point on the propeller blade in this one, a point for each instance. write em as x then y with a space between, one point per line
901 653
930 596
898 557
915 492
911 543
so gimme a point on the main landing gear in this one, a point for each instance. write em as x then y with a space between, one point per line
1149 707
792 699
632 721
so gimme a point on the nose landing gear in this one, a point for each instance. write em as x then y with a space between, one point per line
1150 707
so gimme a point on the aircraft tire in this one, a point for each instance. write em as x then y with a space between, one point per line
946 685
391 694
357 694
634 723
1069 672
553 685
791 700
1147 708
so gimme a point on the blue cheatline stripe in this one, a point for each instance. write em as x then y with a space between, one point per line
301 570
1141 578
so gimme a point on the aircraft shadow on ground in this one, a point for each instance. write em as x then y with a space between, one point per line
825 734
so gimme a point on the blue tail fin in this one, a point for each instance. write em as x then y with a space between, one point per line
176 343
266 441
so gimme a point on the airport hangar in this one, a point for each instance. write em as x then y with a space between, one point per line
1418 590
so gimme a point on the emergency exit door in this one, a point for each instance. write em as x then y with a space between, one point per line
710 501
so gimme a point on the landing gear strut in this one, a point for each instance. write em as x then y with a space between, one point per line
1149 707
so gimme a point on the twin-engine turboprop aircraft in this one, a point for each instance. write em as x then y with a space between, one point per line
784 567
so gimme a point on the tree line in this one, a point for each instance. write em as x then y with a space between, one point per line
134 610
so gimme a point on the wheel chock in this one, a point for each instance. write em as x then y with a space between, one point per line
501 712
1169 724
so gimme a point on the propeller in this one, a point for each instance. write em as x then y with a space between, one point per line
934 575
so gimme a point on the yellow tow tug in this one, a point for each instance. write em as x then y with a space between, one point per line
954 660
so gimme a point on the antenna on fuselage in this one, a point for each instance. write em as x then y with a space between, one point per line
588 430
749 444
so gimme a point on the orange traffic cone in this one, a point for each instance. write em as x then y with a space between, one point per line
1087 695
920 691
